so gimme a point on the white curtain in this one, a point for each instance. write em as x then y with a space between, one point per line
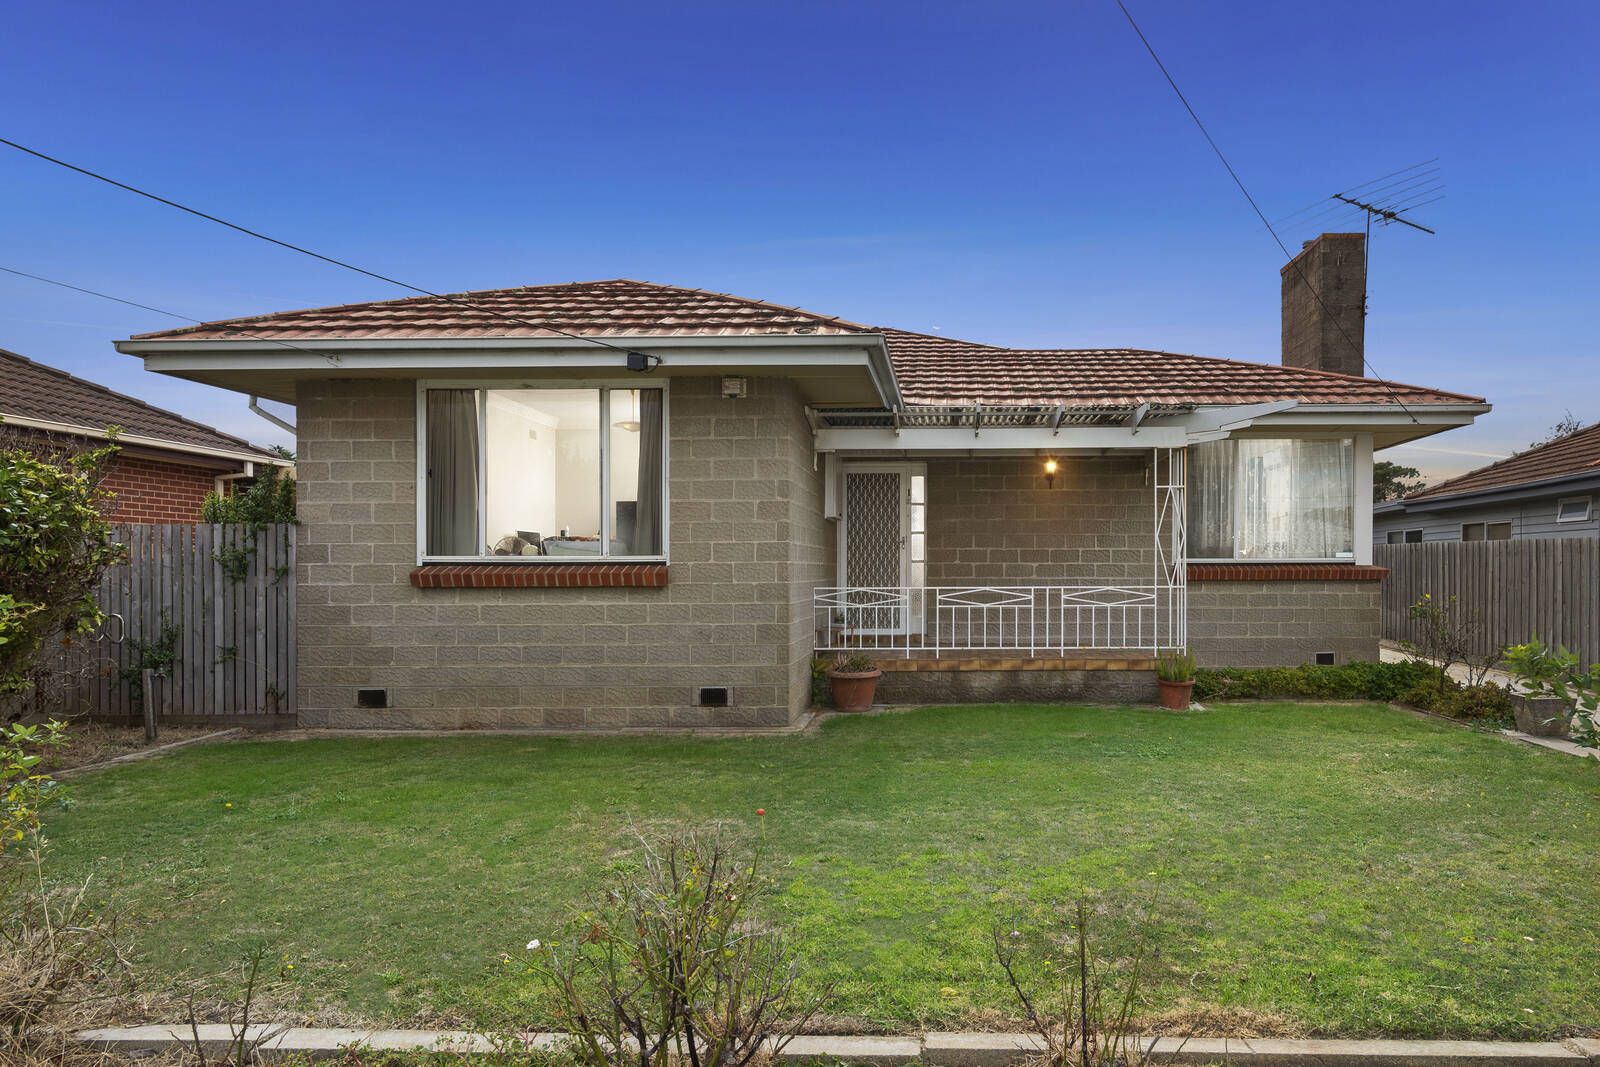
1210 489
1271 498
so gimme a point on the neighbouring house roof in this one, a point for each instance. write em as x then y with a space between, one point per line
32 391
930 370
1575 455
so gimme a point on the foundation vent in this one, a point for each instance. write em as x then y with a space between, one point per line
714 696
372 698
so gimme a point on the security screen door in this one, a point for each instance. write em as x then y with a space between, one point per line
883 547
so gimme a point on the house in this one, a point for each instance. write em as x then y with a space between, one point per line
1548 491
165 464
617 503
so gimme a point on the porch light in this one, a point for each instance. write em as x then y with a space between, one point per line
1050 468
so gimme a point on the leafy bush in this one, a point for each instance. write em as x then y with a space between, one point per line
267 500
1555 673
54 544
1484 703
1348 681
672 965
25 790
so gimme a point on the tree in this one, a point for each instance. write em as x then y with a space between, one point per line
54 543
1391 481
1566 424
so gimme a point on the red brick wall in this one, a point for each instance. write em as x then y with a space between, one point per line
152 490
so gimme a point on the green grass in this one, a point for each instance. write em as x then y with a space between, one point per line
1356 869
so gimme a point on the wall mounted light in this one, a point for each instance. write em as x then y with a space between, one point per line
1050 468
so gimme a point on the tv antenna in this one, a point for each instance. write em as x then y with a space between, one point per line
1383 200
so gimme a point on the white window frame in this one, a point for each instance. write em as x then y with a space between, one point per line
1360 489
1588 508
605 386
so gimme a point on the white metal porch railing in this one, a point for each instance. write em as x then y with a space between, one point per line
1030 619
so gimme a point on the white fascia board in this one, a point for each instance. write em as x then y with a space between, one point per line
1370 415
101 433
867 351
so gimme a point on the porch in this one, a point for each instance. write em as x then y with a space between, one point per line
1067 562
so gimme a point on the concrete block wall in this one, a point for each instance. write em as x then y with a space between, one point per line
995 520
746 539
1283 623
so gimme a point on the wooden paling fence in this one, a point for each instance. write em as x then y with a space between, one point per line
1549 588
223 598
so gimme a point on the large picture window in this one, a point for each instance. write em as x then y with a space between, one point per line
1272 499
543 474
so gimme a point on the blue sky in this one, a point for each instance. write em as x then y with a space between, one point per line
1013 173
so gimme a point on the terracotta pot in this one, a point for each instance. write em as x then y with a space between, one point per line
853 690
1176 695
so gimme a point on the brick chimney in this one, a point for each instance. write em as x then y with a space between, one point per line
1336 266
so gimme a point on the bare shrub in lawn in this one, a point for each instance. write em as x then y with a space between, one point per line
1073 1004
60 969
671 964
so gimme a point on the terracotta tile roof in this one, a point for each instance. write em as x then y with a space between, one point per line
32 390
930 370
938 370
1577 453
611 308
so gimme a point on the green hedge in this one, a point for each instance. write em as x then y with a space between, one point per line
1413 684
1349 681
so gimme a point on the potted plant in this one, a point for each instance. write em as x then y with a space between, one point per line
1175 674
853 681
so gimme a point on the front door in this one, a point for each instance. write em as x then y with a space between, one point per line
883 545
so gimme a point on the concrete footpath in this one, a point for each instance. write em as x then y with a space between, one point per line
934 1049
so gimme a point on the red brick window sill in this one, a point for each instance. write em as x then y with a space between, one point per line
1285 572
540 576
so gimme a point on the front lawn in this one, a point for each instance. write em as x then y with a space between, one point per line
1355 869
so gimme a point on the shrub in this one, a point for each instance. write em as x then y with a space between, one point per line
1555 673
60 970
25 790
54 544
1485 703
266 501
1081 1020
672 965
1348 681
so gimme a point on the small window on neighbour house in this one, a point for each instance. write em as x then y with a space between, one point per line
541 473
1404 537
1573 509
1486 531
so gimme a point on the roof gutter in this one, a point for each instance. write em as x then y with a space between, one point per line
142 441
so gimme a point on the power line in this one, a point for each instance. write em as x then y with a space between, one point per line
1259 214
237 327
248 232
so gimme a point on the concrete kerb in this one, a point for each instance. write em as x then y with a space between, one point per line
151 753
938 1049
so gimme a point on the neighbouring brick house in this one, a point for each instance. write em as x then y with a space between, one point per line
618 503
165 465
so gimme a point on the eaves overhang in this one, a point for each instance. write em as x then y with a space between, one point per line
269 367
1578 481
